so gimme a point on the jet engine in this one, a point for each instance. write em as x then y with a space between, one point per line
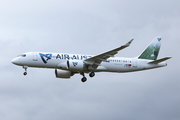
63 74
75 65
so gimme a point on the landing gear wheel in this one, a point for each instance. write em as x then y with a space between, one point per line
25 67
92 74
25 73
84 79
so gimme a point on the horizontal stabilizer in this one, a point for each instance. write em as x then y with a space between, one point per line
160 60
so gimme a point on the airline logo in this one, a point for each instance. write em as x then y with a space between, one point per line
45 57
74 63
159 39
151 52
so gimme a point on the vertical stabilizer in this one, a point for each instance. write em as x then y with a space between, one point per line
151 52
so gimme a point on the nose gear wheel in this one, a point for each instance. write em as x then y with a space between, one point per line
25 67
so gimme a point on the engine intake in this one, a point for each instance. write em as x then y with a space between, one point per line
63 74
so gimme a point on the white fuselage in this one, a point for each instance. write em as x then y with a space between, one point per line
66 65
55 60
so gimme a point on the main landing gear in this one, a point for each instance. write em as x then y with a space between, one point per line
84 79
25 73
92 74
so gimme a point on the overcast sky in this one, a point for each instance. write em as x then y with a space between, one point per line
89 27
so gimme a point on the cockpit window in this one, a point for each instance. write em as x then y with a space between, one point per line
23 55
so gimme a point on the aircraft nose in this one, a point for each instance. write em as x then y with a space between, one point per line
15 61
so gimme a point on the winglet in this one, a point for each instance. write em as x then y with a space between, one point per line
127 44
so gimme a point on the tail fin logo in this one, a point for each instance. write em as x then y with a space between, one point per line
152 51
159 39
75 63
45 57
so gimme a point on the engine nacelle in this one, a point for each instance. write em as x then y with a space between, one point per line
75 65
63 74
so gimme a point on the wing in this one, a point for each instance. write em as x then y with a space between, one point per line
95 61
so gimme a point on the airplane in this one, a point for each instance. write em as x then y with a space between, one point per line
66 65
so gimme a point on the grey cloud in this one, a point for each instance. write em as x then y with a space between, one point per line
89 27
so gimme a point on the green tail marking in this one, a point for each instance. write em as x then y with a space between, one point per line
152 51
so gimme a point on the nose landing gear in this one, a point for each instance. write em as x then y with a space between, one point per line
25 73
